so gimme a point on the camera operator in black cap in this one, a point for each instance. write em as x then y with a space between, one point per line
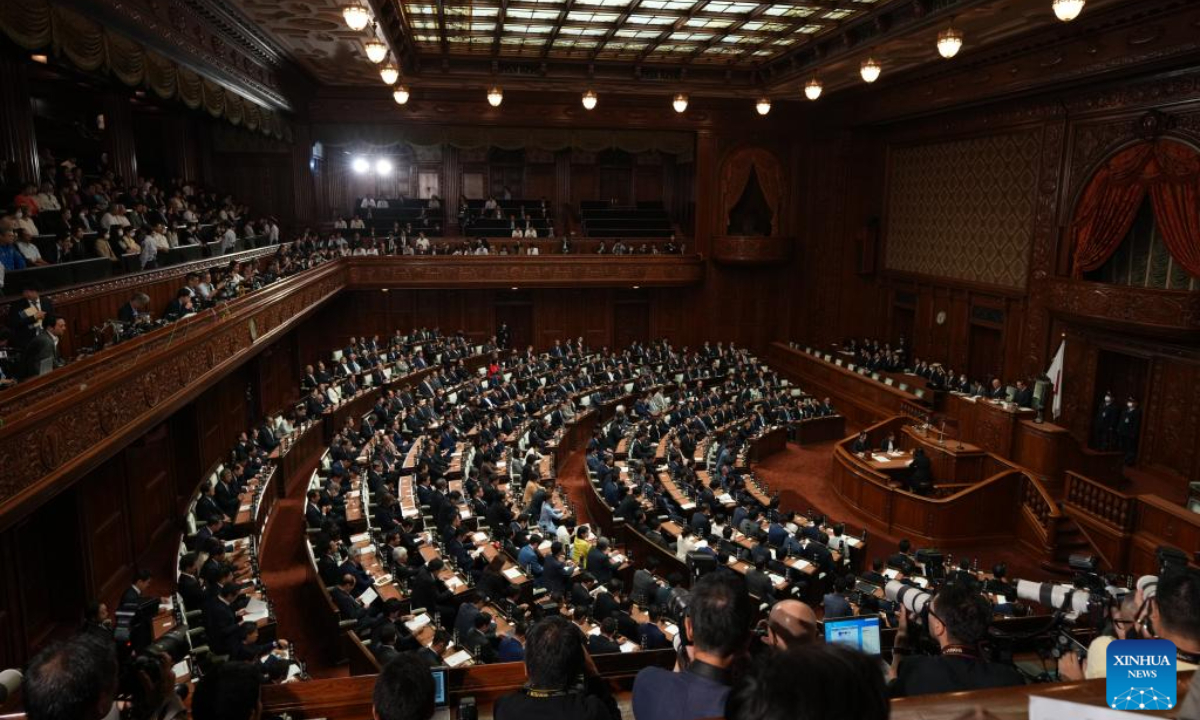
957 620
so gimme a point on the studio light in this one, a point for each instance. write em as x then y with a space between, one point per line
383 166
590 99
401 94
949 42
356 15
680 102
495 96
763 106
870 70
360 165
813 88
1068 10
390 73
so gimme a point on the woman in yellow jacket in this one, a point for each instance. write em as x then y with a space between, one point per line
581 546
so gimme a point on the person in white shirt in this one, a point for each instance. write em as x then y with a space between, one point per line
685 545
531 232
340 224
422 243
24 222
532 250
149 253
25 246
228 240
516 232
356 223
159 238
190 216
114 216
273 231
382 204
46 199
368 202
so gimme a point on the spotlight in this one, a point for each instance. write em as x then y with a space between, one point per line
356 15
813 88
495 96
360 165
383 166
763 106
870 70
949 42
680 102
401 94
590 99
390 73
1068 10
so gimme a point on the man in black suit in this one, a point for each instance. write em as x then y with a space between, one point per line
481 640
921 480
1104 430
221 621
135 310
758 582
26 316
605 641
41 355
429 592
181 305
1128 430
902 560
189 588
383 647
861 444
433 653
1024 395
350 609
135 594
598 562
313 516
329 563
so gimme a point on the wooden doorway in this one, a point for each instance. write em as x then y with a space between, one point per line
985 353
631 323
519 318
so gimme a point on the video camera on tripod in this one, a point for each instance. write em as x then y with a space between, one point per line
1088 595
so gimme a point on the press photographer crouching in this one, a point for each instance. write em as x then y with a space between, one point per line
956 618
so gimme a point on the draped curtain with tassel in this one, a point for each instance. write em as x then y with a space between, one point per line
1170 172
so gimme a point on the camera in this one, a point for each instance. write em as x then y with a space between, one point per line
914 599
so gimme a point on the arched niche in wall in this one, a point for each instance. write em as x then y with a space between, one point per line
751 193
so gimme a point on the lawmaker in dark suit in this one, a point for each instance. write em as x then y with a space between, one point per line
26 317
604 642
1024 395
221 622
135 594
921 480
189 586
135 309
758 582
41 355
350 609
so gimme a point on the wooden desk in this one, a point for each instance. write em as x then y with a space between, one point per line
990 425
819 429
771 441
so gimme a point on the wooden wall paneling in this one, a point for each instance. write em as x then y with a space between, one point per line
107 551
185 454
540 181
150 485
275 370
52 592
12 636
584 183
648 183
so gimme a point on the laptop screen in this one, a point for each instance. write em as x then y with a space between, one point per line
859 633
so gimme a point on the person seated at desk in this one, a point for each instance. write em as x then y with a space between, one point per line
921 480
652 633
836 604
875 575
997 390
134 311
903 560
1024 395
889 444
861 444
556 658
605 641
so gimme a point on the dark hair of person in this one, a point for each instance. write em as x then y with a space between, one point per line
720 613
811 682
71 680
228 692
964 611
553 653
1178 598
404 689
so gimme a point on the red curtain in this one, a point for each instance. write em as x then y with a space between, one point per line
1176 197
1170 172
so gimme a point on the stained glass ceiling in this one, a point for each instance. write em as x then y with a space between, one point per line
729 32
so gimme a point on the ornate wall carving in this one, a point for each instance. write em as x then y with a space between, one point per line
751 250
964 209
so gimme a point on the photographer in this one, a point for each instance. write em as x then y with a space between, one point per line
563 682
1121 627
957 619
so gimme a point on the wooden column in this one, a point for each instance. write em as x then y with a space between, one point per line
303 189
119 136
18 142
182 146
706 190
562 191
451 186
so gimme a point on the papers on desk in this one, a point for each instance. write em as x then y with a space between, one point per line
255 610
725 498
890 573
545 546
410 512
688 506
800 563
181 669
852 541
775 579
479 537
671 630
453 583
417 623
361 537
880 457
594 631
294 672
732 560
701 544
243 508
628 647
369 596
514 573
462 657
465 513
1044 708
618 558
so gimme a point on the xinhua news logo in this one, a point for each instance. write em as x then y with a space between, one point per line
1141 674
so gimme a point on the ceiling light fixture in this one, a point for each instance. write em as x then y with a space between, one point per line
680 102
356 15
590 98
949 42
763 106
813 88
390 73
375 49
495 96
1068 10
401 94
870 70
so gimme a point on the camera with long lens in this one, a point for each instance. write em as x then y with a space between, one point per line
913 599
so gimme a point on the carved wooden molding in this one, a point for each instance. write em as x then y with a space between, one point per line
751 249
493 271
735 175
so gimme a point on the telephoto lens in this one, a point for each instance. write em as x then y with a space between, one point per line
914 599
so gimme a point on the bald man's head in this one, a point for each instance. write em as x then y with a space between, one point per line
791 624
